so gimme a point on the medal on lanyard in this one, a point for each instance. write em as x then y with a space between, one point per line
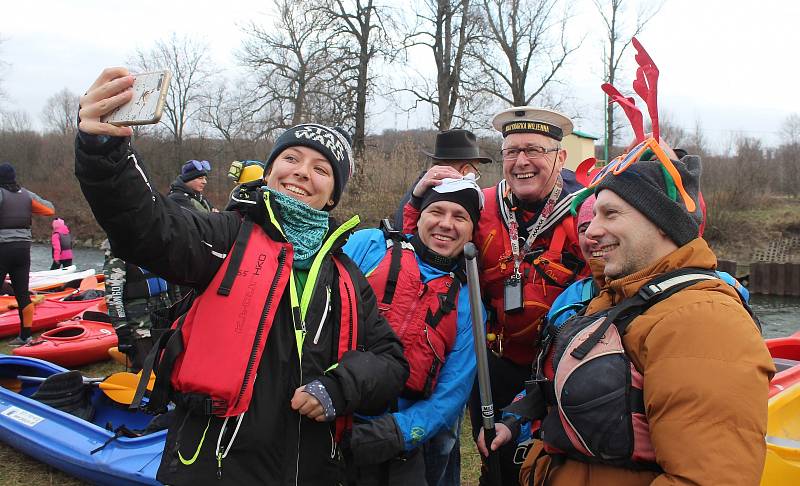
512 287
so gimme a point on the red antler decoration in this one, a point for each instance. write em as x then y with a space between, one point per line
646 84
629 107
584 171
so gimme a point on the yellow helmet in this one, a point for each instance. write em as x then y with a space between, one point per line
246 171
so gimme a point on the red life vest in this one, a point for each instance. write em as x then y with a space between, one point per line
247 288
421 314
545 275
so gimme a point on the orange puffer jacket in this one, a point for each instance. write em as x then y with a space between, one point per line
706 377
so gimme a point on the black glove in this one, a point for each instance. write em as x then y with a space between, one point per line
376 441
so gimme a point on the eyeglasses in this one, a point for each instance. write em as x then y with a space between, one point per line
531 152
621 164
469 168
201 165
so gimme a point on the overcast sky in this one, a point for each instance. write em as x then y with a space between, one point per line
729 65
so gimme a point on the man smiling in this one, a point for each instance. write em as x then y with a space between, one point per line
529 248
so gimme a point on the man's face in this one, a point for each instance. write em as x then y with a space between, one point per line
445 227
532 178
197 184
625 239
463 166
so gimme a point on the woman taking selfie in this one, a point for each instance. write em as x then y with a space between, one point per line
284 340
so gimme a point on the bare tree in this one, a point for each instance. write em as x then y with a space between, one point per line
15 121
60 112
526 47
3 67
790 130
618 37
188 59
298 68
449 28
362 29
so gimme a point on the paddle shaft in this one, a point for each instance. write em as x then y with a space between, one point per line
101 384
484 383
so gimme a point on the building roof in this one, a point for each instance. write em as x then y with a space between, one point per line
581 134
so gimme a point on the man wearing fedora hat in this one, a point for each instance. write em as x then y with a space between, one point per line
529 250
456 148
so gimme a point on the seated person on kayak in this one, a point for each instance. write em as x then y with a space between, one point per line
698 364
284 336
421 285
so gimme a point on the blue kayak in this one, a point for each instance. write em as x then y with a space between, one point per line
66 441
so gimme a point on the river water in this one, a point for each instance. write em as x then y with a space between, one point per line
780 316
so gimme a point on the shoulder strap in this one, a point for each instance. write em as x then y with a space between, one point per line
651 293
396 237
237 254
448 303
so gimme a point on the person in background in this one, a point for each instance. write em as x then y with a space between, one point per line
17 205
456 148
132 295
61 242
187 189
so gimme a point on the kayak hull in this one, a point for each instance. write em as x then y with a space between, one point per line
72 344
785 352
782 465
44 283
46 315
65 441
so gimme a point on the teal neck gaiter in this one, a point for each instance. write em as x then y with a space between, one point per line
304 227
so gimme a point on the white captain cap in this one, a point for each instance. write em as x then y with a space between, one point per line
529 119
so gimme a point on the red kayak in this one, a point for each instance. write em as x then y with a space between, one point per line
72 343
46 315
785 353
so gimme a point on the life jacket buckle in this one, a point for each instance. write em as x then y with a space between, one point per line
214 406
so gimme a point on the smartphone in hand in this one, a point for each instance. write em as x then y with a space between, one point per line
147 104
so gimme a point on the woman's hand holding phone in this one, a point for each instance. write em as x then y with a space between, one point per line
109 91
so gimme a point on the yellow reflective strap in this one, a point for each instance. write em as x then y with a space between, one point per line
271 214
300 337
317 263
197 451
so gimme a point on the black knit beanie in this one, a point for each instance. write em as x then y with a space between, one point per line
470 198
643 186
332 142
189 172
7 174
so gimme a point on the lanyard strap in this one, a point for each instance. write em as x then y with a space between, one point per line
513 226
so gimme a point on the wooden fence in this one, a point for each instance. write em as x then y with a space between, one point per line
775 278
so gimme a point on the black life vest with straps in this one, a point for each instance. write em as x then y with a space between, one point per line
586 389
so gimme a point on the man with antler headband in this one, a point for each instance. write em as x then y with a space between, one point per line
662 379
529 249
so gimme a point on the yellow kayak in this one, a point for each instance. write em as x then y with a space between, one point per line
782 466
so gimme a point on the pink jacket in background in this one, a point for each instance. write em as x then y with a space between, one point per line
60 228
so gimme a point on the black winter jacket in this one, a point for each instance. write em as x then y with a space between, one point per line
188 198
274 444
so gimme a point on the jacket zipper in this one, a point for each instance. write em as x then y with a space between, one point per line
260 330
412 311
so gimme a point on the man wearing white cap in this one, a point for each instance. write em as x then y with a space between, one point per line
529 248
